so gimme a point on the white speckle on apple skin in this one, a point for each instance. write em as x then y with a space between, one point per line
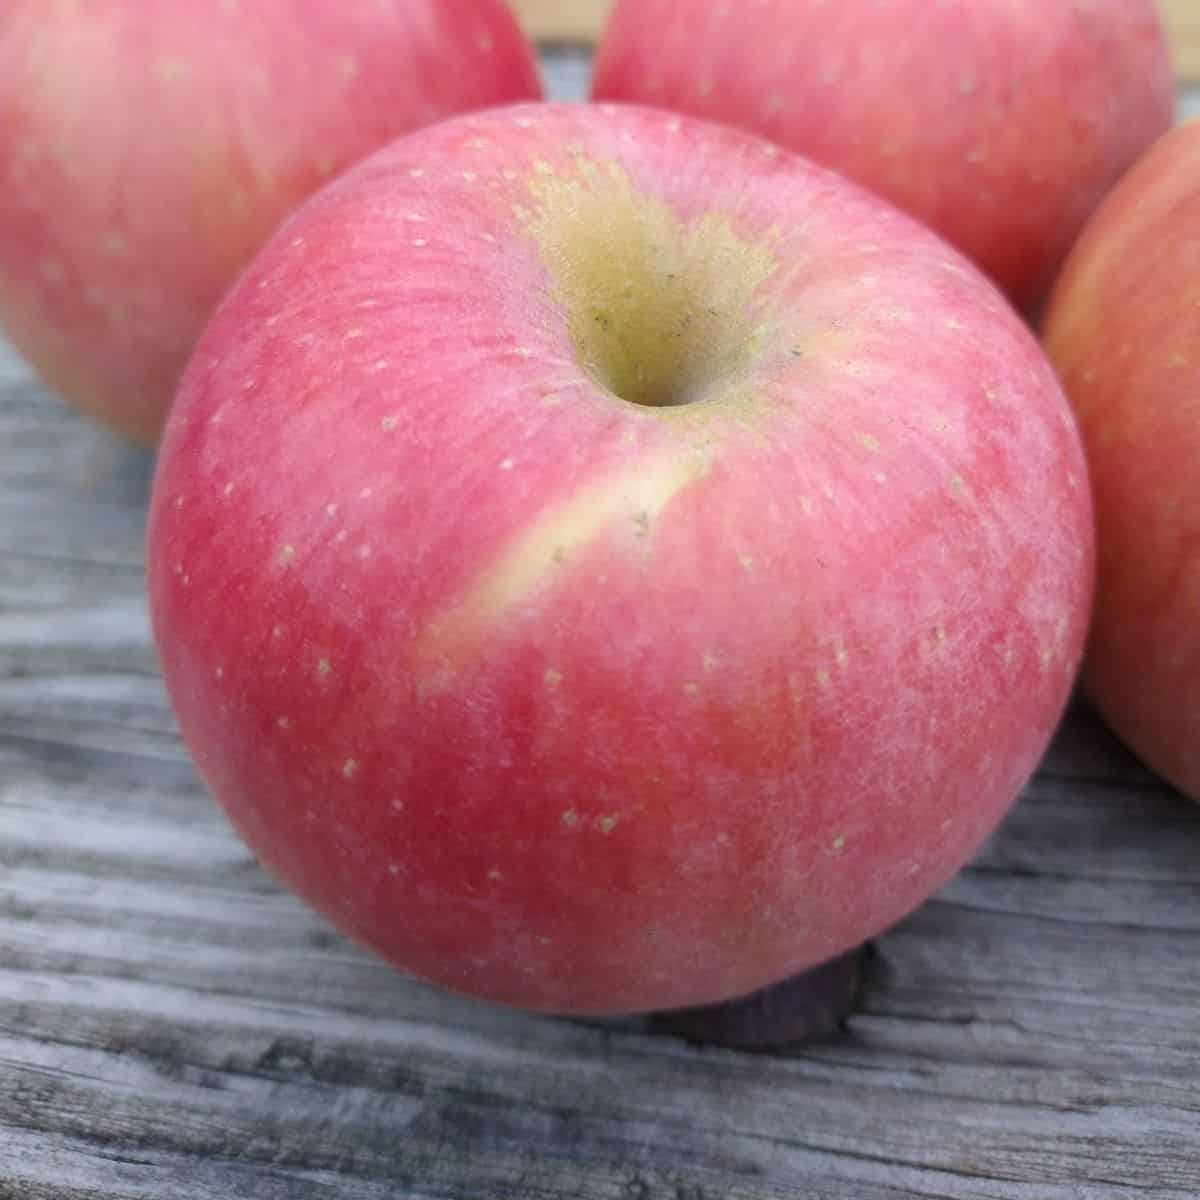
114 244
170 71
349 767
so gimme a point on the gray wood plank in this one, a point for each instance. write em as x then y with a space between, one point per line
173 1025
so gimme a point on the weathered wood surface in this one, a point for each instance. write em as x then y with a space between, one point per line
173 1026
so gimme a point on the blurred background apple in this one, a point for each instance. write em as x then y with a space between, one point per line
1001 123
147 149
1123 328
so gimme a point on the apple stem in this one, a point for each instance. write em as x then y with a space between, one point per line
809 1007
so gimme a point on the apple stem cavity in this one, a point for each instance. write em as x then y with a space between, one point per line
812 1006
662 313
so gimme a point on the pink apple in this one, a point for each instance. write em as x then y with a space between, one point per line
148 148
606 564
1123 327
1001 123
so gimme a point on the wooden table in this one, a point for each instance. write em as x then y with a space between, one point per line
174 1027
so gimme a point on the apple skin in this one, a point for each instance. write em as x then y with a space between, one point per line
589 705
148 149
1000 123
1123 328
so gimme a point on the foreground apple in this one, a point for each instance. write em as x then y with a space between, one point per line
606 564
148 148
1123 328
1001 123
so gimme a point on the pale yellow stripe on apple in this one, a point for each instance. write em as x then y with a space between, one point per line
635 497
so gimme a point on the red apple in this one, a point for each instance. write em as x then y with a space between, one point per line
148 148
1123 327
607 564
1001 123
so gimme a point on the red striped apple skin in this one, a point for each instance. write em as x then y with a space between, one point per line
1000 123
148 148
1123 328
595 706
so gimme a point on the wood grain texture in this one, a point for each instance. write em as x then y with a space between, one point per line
173 1026
563 20
1182 18
584 20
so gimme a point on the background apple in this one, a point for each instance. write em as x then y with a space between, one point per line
1123 327
1001 123
147 149
608 564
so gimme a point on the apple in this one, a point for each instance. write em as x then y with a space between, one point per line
148 149
1000 123
607 564
1123 328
